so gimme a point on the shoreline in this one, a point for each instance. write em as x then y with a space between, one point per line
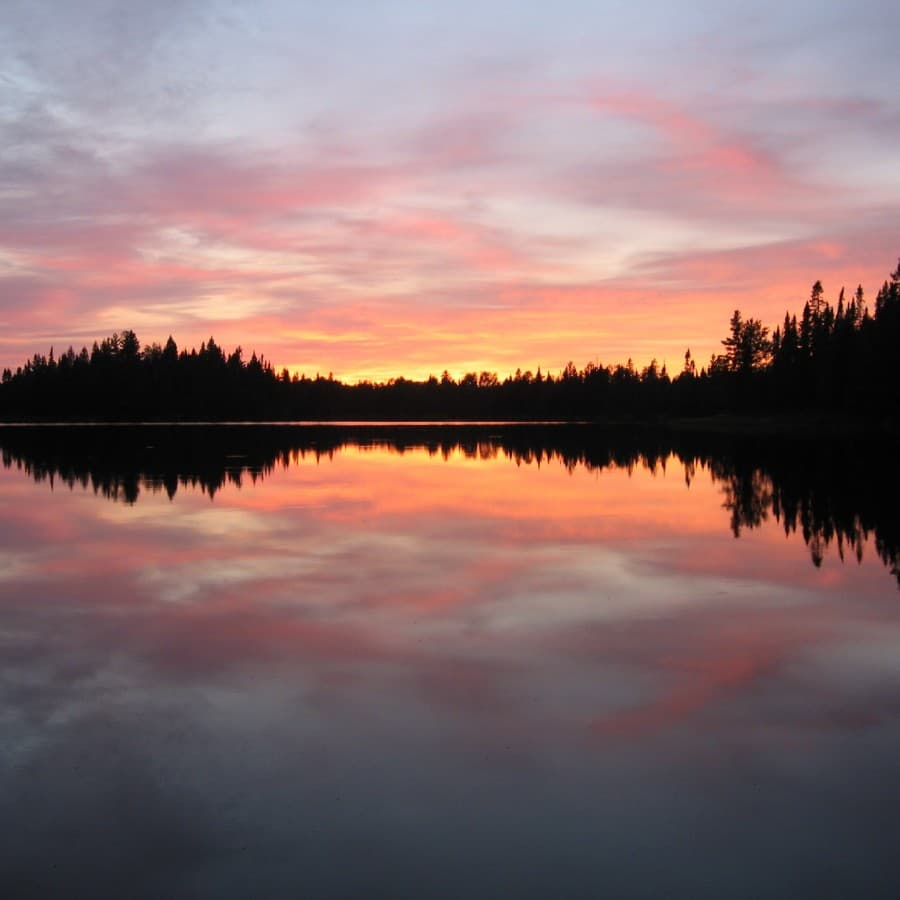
807 426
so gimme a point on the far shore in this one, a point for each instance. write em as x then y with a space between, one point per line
808 425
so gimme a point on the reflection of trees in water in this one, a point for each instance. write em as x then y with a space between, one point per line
748 498
834 494
831 497
124 480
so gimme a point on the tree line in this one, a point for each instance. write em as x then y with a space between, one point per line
836 357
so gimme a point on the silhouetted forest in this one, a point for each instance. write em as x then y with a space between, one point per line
835 358
835 493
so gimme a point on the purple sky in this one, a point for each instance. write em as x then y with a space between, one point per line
406 187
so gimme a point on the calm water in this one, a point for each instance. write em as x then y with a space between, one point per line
474 663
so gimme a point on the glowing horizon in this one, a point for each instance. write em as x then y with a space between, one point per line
398 190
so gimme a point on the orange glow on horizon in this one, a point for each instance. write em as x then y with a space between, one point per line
551 326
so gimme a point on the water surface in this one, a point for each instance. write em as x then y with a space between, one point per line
445 662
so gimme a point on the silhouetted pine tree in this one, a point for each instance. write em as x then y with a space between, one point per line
834 359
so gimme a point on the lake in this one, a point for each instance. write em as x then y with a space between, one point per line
484 661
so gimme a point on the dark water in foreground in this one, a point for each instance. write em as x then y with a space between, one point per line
452 663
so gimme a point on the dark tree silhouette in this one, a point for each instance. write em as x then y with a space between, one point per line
832 360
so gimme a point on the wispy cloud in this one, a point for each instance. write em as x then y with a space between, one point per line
429 192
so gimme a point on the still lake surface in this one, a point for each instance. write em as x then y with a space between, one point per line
437 662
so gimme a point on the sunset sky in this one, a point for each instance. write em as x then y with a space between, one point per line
382 188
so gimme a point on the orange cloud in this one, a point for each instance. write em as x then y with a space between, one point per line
452 246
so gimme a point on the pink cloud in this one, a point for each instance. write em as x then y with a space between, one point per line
372 264
219 187
695 167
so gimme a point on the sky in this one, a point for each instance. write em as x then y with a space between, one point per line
384 188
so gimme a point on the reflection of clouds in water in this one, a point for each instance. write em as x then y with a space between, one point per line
197 580
214 521
15 565
94 803
325 567
632 666
235 744
245 696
